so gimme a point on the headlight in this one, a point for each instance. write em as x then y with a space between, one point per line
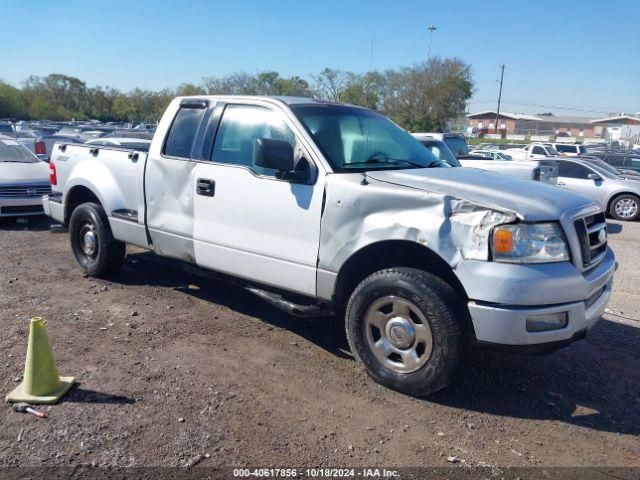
529 243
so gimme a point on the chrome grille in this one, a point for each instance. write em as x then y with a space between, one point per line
14 191
592 234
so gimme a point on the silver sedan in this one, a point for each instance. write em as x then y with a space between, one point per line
616 193
24 179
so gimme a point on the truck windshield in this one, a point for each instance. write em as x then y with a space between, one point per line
355 139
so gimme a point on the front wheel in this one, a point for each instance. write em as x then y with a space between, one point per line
92 242
407 327
625 207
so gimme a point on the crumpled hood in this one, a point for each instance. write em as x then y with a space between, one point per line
530 200
14 172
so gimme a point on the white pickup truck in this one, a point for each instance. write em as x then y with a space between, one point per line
533 151
339 206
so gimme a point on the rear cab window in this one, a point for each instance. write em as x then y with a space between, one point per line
538 151
182 133
567 148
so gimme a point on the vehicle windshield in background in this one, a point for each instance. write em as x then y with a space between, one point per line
457 145
552 151
441 152
357 139
605 166
13 151
604 172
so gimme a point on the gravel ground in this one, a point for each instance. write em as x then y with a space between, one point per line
175 369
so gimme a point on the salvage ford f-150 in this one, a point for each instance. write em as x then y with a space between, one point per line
337 205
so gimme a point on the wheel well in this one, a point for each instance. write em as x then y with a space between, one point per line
388 254
616 196
76 197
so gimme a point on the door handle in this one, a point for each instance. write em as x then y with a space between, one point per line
561 183
206 187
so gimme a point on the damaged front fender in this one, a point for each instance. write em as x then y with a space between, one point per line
358 214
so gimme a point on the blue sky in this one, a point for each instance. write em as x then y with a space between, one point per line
569 57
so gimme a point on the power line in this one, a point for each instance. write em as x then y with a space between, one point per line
555 107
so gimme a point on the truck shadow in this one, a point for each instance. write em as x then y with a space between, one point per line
39 223
594 383
614 228
149 269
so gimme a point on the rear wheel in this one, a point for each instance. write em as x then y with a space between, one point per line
406 326
92 242
625 207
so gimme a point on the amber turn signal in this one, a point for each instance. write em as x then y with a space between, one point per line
502 241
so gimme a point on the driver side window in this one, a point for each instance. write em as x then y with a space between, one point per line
573 170
240 127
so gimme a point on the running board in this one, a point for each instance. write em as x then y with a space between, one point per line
127 215
275 299
313 310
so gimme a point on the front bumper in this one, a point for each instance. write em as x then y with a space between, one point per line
504 296
53 207
21 206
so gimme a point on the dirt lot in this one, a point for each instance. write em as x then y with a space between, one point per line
176 369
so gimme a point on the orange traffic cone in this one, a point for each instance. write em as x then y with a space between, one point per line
41 383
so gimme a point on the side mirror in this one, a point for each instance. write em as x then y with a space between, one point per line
275 154
594 176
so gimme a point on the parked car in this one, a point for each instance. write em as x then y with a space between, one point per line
130 133
491 154
527 170
34 144
24 179
456 143
569 149
7 129
533 151
129 143
50 140
320 207
617 195
621 161
91 134
145 126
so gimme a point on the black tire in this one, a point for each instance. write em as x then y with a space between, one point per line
438 303
107 256
628 214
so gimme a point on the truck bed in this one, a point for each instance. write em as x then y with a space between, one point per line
114 174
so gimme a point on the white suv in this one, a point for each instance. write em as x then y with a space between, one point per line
570 149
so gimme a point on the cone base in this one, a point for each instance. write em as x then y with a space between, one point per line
18 395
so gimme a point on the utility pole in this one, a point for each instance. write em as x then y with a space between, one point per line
499 96
373 42
431 30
